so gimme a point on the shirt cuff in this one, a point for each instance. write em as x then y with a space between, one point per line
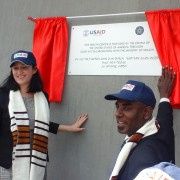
164 100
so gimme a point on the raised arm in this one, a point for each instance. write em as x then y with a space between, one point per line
165 87
166 82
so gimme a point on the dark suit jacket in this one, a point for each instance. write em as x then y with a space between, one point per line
152 149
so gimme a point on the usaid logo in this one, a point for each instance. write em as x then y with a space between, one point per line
128 87
93 32
23 55
85 33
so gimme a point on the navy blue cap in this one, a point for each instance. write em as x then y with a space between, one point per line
135 91
24 57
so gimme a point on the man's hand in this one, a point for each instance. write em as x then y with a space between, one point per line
166 82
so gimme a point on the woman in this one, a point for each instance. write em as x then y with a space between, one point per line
24 107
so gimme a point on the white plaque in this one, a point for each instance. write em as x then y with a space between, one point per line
113 49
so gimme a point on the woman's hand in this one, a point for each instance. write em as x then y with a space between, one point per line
76 126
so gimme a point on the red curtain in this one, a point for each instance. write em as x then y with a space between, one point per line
50 43
165 28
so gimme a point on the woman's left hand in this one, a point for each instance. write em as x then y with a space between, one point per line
76 126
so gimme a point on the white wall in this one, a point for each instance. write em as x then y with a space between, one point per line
89 155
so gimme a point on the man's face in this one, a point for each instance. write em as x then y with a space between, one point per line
130 116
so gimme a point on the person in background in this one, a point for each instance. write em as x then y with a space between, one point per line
148 141
24 121
161 171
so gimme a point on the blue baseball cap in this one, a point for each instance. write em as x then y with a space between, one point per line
24 57
135 91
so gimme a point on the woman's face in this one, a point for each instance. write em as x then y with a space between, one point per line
23 74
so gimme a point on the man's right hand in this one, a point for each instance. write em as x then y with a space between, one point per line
166 82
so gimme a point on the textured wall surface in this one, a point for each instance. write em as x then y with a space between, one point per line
91 154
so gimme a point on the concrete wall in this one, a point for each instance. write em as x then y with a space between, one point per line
89 155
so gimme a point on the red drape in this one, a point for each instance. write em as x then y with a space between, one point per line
165 28
50 43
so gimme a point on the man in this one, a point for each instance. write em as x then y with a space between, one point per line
148 141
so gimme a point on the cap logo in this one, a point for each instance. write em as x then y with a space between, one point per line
22 55
128 87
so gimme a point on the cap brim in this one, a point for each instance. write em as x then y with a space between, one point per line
20 62
117 96
111 97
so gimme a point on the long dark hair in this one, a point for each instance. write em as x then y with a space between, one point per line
36 84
